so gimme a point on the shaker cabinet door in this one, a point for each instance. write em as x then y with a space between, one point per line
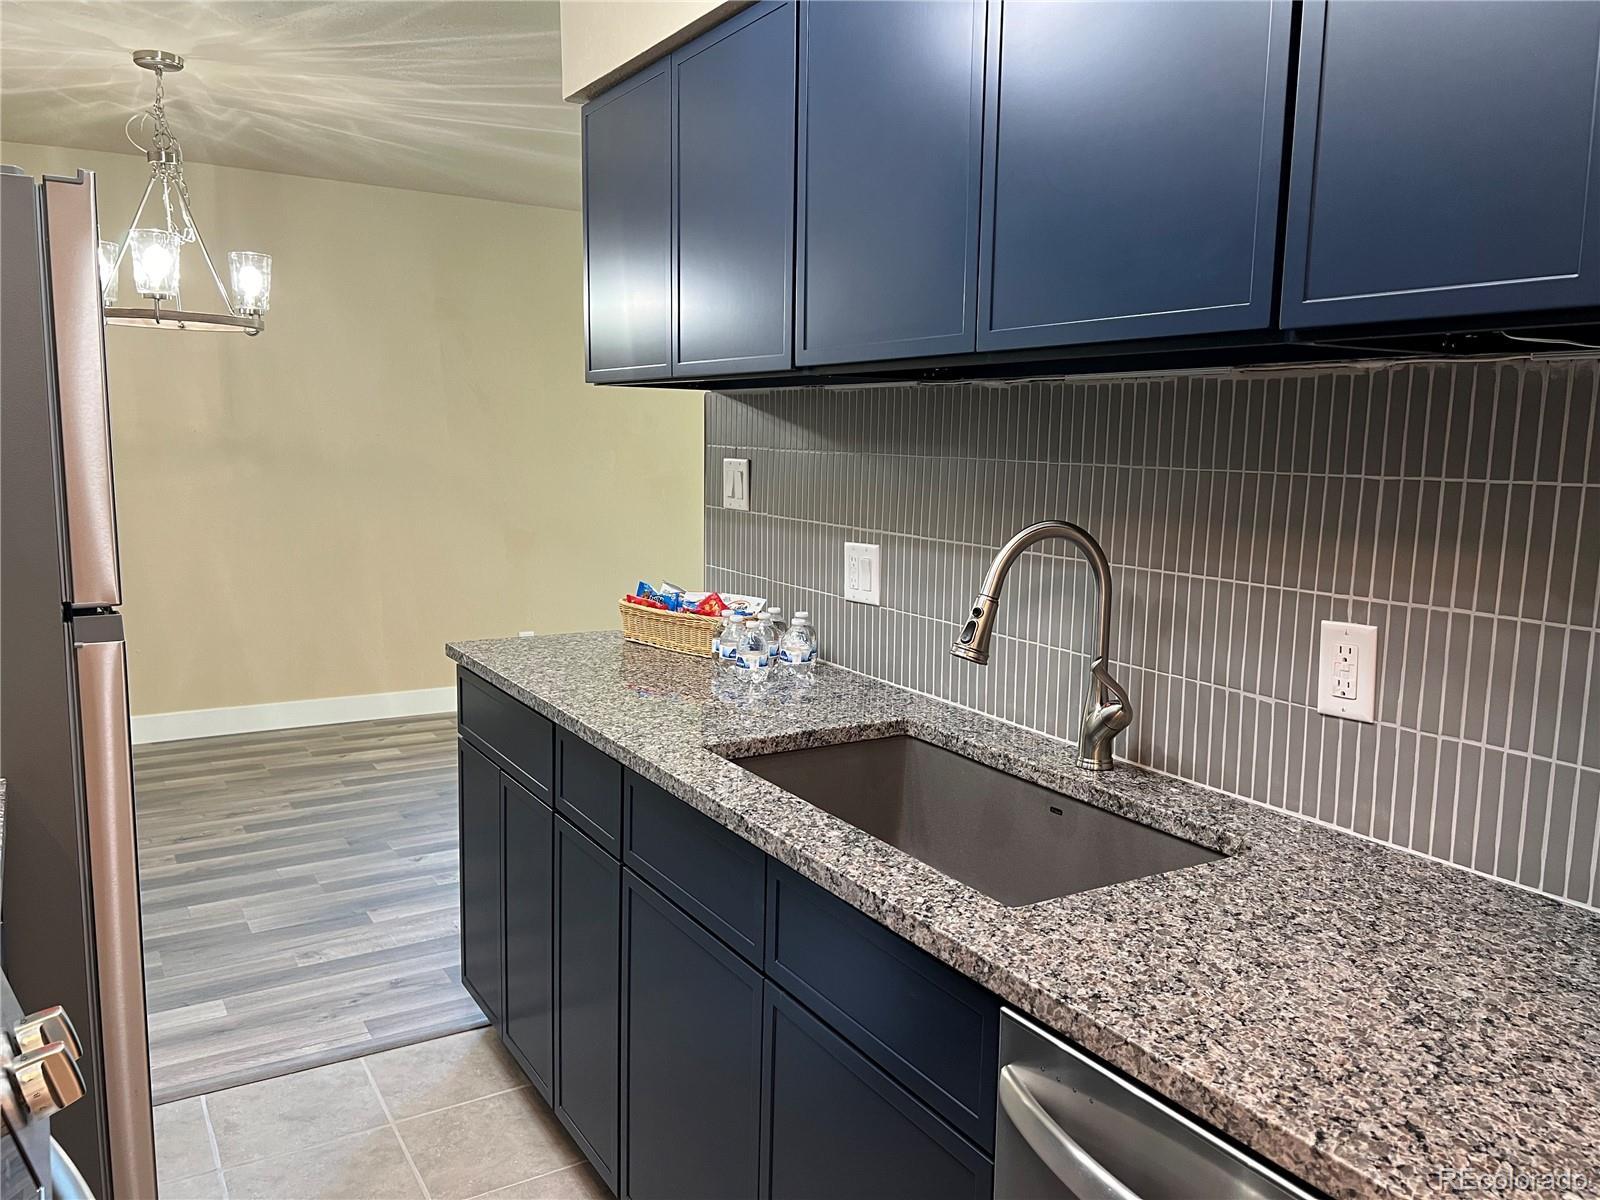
891 132
733 195
837 1126
692 1056
588 970
1131 172
530 934
482 929
627 230
1444 160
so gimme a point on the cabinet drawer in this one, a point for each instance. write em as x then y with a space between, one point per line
520 736
931 1028
837 1126
589 791
711 873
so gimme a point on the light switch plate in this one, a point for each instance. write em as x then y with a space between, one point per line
736 483
1347 671
862 572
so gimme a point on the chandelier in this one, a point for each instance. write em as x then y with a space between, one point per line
155 248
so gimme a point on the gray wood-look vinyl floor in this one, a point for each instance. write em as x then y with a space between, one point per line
300 898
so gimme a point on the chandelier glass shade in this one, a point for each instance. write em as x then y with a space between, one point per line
156 261
108 272
155 249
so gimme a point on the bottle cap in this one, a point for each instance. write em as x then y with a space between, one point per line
802 615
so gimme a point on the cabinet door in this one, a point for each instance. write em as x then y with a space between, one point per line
733 112
588 969
530 933
482 945
627 230
1444 161
692 1055
1131 169
891 130
837 1126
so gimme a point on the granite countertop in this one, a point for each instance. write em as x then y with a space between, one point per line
1365 1018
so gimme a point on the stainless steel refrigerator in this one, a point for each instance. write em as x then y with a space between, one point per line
71 931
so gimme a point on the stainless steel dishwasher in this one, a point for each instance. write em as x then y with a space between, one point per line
1068 1127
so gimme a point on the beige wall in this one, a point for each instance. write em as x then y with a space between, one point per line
408 454
604 40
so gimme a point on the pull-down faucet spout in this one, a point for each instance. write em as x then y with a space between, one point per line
1107 711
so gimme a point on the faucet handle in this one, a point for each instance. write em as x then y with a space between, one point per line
1102 719
1104 679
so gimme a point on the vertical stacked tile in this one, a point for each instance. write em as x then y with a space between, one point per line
1456 505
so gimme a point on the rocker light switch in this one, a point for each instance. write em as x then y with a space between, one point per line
861 575
736 483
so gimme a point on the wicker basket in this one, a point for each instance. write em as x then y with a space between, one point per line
687 633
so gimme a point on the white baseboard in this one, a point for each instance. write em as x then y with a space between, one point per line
290 714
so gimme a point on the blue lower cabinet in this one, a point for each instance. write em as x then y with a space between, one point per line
837 1126
530 934
588 885
692 1056
482 948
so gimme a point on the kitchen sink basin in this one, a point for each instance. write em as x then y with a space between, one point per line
1012 840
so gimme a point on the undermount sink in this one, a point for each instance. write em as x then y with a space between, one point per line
1012 840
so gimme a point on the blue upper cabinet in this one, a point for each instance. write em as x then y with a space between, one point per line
1132 160
627 230
891 128
1444 161
733 116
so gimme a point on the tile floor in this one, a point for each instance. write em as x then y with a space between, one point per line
448 1119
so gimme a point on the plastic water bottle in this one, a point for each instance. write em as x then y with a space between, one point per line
726 644
798 650
779 625
755 652
769 633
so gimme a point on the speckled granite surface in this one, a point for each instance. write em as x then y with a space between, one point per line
1364 1018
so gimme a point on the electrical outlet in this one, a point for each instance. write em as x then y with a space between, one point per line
527 633
1347 674
736 483
862 574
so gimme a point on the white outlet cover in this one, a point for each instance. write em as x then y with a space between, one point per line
1347 671
736 483
863 573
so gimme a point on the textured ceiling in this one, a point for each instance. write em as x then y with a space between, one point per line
459 96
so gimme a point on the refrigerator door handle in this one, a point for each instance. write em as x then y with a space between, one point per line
114 871
72 232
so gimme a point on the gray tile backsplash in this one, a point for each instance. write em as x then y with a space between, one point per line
1454 505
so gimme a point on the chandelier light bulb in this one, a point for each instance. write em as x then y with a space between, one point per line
250 275
155 263
108 272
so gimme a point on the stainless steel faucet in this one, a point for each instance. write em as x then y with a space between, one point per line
1107 711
